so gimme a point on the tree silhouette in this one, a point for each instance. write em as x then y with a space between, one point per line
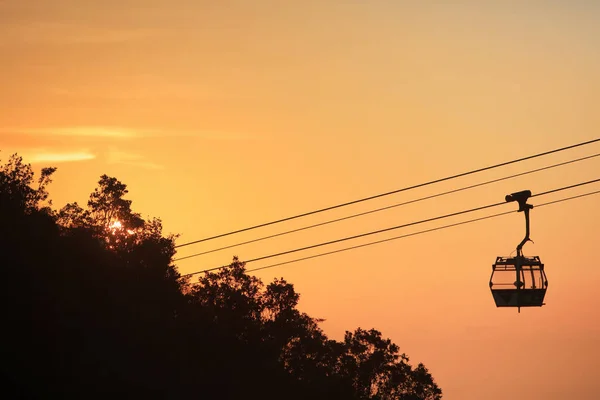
107 204
94 309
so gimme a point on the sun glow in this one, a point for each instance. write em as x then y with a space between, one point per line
116 225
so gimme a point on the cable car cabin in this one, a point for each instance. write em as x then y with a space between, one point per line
518 282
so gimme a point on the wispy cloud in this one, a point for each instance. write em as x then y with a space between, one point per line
63 33
43 156
109 144
116 132
87 131
136 160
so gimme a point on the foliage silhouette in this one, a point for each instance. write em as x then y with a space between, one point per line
95 308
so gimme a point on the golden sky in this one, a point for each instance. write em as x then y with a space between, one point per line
220 115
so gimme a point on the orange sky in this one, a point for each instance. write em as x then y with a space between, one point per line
220 115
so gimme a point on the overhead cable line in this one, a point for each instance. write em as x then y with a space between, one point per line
391 192
394 227
387 207
416 233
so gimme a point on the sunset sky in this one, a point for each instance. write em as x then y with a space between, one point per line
224 114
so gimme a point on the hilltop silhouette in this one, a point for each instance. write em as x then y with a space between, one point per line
93 307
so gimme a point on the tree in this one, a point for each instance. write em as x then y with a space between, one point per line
16 179
92 308
107 204
363 366
73 216
378 371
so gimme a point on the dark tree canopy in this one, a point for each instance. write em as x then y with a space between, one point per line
94 308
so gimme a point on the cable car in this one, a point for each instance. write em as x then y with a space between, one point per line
519 281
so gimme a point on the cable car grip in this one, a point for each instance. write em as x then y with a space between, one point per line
521 198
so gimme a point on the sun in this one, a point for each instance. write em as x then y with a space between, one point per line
116 225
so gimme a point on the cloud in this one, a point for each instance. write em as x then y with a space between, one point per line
62 33
116 132
86 131
220 135
109 36
43 156
136 160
